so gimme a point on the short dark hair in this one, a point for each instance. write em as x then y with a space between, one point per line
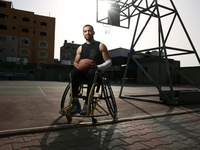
88 25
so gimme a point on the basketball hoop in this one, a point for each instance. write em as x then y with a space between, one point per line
107 28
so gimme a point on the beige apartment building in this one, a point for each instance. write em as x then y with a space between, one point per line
26 35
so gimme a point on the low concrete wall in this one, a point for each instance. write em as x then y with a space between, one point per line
191 72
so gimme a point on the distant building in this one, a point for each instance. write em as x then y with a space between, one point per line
119 56
25 35
68 53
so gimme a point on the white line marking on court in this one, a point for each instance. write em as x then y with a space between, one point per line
41 90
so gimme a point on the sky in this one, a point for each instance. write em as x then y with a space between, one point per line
72 15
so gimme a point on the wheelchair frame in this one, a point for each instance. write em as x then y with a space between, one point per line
94 97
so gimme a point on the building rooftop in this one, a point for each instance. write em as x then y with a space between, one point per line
119 56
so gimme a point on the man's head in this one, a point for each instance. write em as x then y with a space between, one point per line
88 32
88 25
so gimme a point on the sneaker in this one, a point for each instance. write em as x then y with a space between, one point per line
84 111
76 107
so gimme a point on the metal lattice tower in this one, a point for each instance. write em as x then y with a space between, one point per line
159 11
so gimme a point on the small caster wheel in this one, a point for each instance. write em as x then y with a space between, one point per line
94 121
69 119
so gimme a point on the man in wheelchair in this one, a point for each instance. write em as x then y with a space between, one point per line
100 59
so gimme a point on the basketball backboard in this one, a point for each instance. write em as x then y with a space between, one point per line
113 12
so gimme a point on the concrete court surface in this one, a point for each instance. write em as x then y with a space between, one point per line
35 104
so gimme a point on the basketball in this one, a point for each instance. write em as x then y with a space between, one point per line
86 64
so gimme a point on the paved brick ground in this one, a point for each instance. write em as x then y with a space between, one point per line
175 132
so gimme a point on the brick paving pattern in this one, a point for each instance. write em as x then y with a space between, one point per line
177 132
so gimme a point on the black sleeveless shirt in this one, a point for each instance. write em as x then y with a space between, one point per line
91 51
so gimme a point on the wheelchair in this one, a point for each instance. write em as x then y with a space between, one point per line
101 100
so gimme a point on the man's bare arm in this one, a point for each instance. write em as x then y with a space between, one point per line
104 51
107 60
77 57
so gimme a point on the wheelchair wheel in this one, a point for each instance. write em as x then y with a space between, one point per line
110 99
65 102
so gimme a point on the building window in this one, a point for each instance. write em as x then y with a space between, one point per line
24 52
2 38
43 24
25 30
43 44
25 19
24 41
2 50
12 49
43 33
14 17
3 16
42 54
3 27
2 4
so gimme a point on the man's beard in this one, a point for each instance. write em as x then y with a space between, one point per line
89 38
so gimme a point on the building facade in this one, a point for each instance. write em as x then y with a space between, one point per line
25 35
68 53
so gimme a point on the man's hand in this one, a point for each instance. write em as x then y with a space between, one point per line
93 64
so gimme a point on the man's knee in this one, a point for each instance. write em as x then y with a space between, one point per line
74 72
91 73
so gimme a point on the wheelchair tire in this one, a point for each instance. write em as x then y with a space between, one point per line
66 97
110 99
